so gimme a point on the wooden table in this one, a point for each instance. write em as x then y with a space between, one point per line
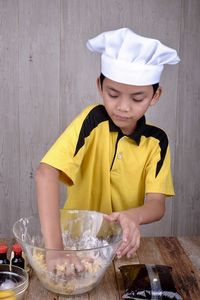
182 253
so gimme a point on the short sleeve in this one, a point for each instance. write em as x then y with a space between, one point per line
62 154
159 181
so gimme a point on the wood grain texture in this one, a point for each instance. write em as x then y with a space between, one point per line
36 291
163 23
39 49
186 208
168 251
191 246
9 116
175 252
47 76
184 275
80 20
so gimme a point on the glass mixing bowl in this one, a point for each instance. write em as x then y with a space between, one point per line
90 244
13 282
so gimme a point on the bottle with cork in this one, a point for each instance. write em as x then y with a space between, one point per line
3 254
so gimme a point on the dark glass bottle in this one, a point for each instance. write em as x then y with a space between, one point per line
17 259
3 254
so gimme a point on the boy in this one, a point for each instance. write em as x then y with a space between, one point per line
110 159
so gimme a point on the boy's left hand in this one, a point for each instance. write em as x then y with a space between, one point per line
131 232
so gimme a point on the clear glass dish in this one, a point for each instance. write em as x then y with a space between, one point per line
90 244
13 282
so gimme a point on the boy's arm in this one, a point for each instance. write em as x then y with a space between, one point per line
47 188
152 210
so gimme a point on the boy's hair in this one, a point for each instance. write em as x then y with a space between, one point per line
155 85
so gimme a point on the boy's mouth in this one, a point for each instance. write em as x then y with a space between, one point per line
120 118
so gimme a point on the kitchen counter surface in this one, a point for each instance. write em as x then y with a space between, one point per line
181 253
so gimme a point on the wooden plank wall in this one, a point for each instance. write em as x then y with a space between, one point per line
47 76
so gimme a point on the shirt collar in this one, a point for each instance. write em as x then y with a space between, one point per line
136 135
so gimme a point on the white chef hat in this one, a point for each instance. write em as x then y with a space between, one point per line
129 58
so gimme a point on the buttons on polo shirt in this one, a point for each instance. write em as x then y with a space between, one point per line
119 155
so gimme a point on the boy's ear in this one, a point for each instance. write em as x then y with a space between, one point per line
99 85
156 96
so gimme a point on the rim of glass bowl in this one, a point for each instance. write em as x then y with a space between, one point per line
24 284
65 250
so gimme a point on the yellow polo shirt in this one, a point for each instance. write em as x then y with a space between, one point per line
107 171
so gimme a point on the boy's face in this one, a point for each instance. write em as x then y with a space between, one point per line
126 104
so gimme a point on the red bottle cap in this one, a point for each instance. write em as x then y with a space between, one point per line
17 248
3 248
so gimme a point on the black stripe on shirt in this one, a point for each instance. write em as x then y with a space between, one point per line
99 114
96 116
159 134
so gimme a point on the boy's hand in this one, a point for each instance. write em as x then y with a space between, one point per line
63 264
130 220
131 233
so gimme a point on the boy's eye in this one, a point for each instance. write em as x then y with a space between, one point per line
112 96
137 100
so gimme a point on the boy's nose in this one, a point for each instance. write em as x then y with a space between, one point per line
123 106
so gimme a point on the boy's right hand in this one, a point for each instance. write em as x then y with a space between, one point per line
63 264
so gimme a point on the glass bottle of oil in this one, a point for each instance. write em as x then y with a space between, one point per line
17 259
